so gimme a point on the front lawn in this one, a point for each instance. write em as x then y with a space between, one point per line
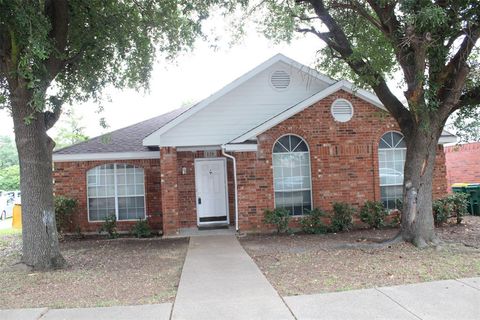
100 273
307 264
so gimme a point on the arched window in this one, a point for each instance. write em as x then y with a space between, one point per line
391 157
117 189
291 174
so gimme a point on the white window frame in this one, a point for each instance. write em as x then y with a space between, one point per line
394 148
310 172
116 193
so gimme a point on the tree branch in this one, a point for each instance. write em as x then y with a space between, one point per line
362 12
453 76
57 13
337 40
470 98
51 117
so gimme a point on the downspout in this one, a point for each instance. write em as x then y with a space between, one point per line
234 182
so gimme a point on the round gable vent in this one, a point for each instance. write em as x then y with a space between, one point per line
280 80
342 110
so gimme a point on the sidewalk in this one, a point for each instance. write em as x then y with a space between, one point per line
220 281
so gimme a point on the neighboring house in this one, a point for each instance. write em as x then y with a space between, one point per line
282 135
463 163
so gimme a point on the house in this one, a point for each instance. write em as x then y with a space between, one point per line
463 163
282 135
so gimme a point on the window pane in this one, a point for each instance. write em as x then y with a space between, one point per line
130 208
391 164
294 142
302 147
291 173
101 191
139 177
139 189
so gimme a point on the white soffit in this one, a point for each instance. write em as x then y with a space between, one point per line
154 138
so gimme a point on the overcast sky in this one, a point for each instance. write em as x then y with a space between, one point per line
191 78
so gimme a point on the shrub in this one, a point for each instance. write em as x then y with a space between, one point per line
373 213
453 205
342 219
110 227
278 217
312 222
64 209
141 229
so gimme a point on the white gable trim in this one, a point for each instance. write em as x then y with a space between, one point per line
154 138
106 156
341 85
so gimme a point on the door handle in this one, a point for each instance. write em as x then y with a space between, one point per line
199 200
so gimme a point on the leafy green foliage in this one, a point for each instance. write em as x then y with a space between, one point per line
466 124
312 222
10 178
70 131
383 38
278 217
8 152
64 209
453 205
373 213
108 42
110 227
342 218
141 229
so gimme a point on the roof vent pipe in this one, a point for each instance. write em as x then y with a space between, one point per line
234 182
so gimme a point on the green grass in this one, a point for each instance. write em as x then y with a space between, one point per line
11 231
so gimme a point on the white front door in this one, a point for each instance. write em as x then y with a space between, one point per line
211 190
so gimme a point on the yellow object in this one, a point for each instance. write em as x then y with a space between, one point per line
17 217
460 184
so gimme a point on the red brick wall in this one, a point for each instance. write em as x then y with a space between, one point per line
169 190
343 159
440 174
71 181
463 163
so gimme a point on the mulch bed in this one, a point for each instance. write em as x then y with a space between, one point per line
307 264
100 273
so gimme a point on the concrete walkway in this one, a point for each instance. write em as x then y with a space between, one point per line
144 312
448 299
220 281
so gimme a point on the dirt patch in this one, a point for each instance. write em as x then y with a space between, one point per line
306 264
100 273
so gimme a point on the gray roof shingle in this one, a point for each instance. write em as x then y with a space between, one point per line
128 139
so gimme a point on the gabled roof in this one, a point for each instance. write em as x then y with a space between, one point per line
154 138
141 140
127 139
284 115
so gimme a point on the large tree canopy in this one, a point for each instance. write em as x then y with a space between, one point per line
58 51
432 45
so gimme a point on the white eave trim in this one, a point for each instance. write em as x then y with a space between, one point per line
447 139
154 138
106 156
284 115
241 147
198 148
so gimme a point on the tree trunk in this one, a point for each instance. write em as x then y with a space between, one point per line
39 233
417 214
